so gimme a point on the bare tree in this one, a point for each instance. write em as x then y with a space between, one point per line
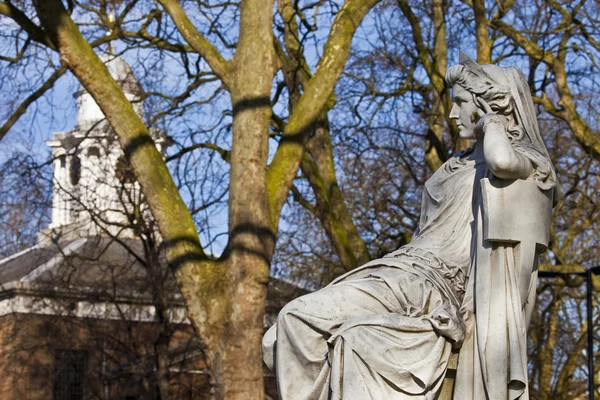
224 297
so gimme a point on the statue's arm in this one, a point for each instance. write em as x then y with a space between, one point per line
502 159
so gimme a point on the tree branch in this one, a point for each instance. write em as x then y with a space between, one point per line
484 45
35 32
585 136
31 99
304 202
225 154
199 43
317 92
530 47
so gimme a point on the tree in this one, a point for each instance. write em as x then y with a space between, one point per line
224 297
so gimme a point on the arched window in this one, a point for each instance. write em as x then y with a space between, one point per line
75 169
69 374
93 152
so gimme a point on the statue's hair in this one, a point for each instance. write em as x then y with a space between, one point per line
480 84
506 90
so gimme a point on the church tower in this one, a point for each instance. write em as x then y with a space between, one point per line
94 189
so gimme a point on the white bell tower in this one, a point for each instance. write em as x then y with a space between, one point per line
94 190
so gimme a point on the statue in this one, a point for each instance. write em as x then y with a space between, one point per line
465 283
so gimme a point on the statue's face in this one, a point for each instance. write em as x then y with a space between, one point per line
464 111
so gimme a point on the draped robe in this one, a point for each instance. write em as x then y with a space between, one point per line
387 329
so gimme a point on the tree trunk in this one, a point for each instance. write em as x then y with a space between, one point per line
318 167
203 283
547 351
224 298
251 239
484 46
160 298
317 161
435 120
434 61
161 357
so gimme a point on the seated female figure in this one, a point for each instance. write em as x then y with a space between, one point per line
387 329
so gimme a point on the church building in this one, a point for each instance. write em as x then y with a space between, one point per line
92 310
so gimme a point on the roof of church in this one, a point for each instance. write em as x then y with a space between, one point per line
106 266
102 263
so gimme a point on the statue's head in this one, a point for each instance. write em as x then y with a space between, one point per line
506 91
470 82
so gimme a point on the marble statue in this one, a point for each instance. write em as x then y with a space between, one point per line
465 283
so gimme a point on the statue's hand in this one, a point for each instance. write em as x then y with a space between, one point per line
486 116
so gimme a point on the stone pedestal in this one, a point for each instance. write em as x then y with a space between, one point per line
448 385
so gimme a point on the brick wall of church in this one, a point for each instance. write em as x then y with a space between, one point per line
118 358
